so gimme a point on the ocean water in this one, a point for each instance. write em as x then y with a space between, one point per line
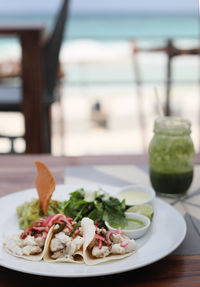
98 48
123 27
118 27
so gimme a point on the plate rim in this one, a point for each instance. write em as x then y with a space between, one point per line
105 272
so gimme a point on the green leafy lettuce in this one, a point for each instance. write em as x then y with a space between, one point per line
97 205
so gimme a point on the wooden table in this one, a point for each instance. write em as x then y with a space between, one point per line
18 172
31 38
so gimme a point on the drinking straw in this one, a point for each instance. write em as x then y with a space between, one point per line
160 109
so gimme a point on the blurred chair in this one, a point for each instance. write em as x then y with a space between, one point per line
12 69
9 69
11 95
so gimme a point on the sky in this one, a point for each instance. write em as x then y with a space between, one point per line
103 6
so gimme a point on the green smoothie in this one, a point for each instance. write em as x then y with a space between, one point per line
171 155
174 184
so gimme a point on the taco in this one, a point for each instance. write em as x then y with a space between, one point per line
101 245
65 244
32 243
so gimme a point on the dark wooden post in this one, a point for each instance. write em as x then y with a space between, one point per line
32 90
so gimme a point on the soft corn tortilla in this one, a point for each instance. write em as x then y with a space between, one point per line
77 257
89 233
81 256
36 257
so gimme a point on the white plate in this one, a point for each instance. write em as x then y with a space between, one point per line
165 235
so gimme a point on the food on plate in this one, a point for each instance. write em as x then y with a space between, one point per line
132 223
65 243
137 225
98 205
101 245
31 244
45 184
144 209
59 238
77 230
136 194
30 211
134 197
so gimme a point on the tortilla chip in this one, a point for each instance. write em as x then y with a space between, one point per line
45 184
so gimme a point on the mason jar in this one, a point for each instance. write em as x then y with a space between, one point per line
171 156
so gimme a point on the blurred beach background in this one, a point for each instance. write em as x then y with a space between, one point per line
102 110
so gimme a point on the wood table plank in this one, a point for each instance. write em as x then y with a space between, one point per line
17 172
172 271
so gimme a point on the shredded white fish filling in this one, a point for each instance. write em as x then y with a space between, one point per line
28 246
116 246
103 252
63 245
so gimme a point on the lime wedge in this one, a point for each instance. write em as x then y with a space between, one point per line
144 209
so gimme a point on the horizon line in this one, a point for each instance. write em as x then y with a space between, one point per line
101 13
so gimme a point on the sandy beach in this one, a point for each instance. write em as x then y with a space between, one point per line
129 120
104 74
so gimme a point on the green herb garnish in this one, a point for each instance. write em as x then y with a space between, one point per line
97 205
